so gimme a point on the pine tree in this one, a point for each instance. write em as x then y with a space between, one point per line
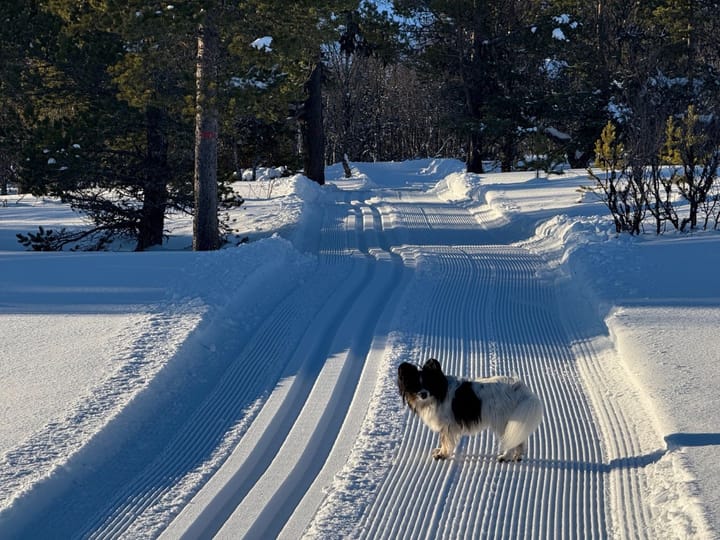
689 34
104 140
124 152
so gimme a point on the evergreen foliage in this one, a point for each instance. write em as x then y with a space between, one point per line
97 99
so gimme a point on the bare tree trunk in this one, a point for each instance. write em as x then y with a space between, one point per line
346 166
312 128
155 195
3 182
474 162
206 234
6 172
508 153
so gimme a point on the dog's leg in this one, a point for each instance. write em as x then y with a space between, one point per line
441 452
447 445
513 454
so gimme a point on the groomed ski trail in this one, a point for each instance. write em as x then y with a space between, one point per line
316 441
484 311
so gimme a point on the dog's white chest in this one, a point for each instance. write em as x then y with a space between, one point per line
435 418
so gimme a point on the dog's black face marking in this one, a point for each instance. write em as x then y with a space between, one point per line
466 406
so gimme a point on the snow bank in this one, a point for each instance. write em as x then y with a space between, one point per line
134 325
442 167
559 237
460 186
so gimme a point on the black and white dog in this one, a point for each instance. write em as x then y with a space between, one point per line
454 407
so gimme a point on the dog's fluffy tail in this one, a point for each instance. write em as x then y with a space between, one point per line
523 421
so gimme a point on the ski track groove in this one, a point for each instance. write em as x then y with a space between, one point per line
334 242
334 248
201 432
182 451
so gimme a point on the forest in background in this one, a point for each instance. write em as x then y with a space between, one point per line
101 101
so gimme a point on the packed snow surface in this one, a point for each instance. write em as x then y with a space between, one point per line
250 392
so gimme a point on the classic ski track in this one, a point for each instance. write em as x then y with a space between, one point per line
272 500
311 429
205 429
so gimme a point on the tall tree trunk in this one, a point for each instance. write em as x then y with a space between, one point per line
472 70
312 128
4 174
346 166
474 157
206 235
155 194
508 154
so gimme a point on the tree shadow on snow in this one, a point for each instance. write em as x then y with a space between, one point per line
675 440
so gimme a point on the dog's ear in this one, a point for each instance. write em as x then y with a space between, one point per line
432 364
405 366
406 370
434 380
408 379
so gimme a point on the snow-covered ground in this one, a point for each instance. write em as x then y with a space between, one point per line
250 391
